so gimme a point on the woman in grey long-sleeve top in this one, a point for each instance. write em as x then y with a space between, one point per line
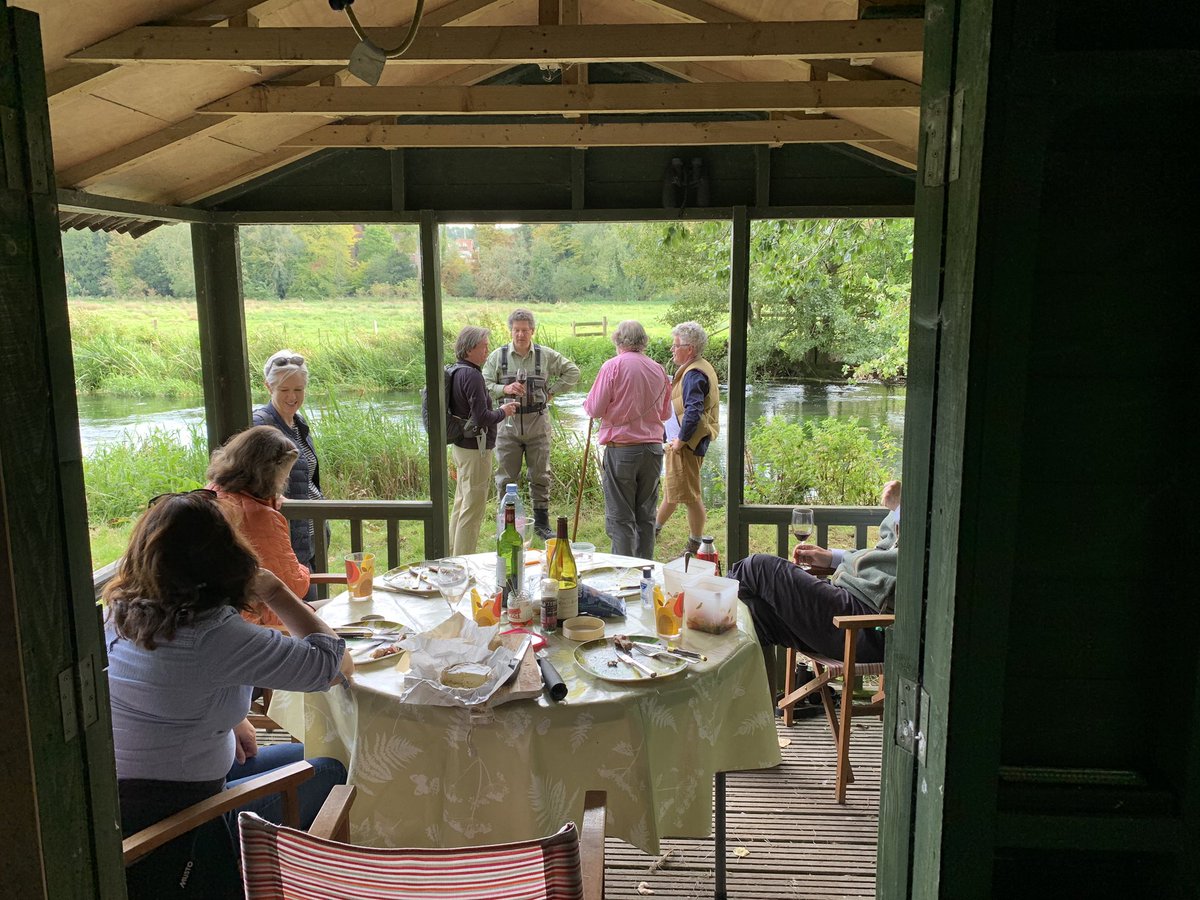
182 665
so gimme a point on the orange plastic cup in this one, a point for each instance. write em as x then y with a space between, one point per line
360 575
668 614
485 610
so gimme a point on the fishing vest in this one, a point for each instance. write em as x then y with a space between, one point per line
535 382
710 419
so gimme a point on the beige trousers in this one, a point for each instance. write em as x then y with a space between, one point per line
470 498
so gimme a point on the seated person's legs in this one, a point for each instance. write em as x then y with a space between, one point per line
791 608
312 793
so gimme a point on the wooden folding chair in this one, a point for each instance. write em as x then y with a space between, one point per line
285 780
825 670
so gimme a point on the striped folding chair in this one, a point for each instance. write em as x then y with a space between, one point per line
281 863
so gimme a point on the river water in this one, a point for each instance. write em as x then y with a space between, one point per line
106 419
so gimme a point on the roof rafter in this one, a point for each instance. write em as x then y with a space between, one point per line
135 152
518 44
903 153
562 99
648 134
74 78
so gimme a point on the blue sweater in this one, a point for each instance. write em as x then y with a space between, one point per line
173 707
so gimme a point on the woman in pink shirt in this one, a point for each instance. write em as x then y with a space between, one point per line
631 397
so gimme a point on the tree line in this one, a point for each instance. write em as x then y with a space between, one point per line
828 297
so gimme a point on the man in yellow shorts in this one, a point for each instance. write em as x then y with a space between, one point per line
694 422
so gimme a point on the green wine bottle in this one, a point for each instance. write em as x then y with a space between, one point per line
510 548
566 573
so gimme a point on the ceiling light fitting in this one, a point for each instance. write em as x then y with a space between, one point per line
367 60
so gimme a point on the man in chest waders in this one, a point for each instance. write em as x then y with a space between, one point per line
530 374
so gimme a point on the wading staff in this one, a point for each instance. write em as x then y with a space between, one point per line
582 478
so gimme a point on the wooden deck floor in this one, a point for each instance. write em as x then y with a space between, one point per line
801 844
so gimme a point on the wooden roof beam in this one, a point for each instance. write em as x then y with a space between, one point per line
739 96
516 44
75 78
653 134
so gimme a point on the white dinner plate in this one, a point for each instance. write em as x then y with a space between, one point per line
594 657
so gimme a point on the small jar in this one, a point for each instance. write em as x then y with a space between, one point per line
520 608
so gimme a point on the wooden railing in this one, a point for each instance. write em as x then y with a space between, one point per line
393 512
356 512
824 517
390 512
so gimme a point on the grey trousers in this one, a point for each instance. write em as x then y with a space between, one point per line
630 480
534 449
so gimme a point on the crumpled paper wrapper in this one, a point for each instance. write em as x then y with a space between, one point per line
456 640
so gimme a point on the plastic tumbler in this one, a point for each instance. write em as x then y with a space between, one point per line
360 575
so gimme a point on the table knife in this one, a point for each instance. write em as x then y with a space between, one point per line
626 658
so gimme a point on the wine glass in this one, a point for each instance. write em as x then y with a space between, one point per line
451 579
802 523
522 377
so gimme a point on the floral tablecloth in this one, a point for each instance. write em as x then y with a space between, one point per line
441 776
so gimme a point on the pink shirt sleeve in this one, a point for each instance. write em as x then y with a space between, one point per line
597 400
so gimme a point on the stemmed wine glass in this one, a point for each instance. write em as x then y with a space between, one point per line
451 579
522 377
802 524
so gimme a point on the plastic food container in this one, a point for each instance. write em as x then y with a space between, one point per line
709 603
673 574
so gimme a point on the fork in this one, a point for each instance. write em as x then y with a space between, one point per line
659 654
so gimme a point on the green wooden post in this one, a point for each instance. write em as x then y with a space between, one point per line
222 320
437 527
897 798
739 320
60 829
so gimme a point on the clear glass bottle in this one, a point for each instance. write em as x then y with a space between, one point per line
565 573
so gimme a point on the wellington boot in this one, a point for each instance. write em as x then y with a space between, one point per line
541 524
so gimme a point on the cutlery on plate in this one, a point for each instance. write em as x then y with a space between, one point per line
629 660
659 653
686 654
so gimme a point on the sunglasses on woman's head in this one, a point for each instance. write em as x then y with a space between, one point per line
153 500
287 361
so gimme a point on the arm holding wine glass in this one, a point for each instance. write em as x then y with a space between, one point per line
792 606
818 558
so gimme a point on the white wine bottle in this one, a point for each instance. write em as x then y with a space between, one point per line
564 571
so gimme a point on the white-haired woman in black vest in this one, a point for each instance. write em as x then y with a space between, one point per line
286 377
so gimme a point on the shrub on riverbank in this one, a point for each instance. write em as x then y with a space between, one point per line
832 462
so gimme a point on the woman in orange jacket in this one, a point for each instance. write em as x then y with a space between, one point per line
248 473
